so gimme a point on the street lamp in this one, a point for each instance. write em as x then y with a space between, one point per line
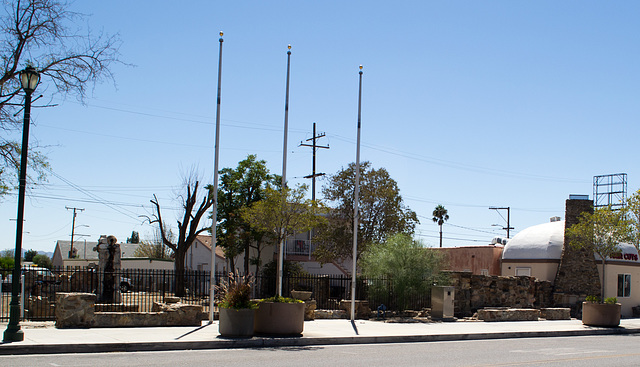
29 79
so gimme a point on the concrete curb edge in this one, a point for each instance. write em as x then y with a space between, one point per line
265 342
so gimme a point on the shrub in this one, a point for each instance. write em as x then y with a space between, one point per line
611 300
278 299
236 292
593 299
403 267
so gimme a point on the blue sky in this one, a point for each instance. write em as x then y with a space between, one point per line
468 104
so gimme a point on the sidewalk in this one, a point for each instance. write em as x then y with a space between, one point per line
43 338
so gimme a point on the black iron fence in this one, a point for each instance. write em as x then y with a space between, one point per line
139 289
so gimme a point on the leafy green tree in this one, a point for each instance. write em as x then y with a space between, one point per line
70 58
291 272
7 260
440 215
239 189
381 210
632 213
43 261
600 232
29 255
408 267
284 212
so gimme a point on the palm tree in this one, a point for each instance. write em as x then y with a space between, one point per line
440 215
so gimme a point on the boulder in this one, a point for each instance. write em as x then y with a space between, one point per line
74 310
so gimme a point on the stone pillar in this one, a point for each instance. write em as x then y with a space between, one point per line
577 275
108 269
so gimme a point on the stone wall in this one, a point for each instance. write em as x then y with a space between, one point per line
473 292
77 310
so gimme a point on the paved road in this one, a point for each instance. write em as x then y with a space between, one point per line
620 350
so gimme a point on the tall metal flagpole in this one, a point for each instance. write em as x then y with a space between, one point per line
284 167
214 216
356 217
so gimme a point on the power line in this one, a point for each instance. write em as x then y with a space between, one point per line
449 238
459 165
130 214
469 228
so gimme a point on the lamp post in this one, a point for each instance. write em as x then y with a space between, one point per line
29 79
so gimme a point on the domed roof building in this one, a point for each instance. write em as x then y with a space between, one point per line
543 241
537 251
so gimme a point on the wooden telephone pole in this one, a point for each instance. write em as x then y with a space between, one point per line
315 147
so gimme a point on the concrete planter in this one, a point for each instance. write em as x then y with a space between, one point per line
601 314
236 323
275 318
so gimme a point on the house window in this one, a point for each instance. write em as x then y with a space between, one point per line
624 285
484 272
523 272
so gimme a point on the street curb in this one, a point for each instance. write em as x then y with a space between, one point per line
264 342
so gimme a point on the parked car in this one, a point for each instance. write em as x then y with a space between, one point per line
125 284
33 275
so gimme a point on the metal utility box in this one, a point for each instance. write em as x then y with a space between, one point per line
442 302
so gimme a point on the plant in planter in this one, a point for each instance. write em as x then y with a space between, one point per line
279 316
592 299
611 300
596 313
237 311
600 232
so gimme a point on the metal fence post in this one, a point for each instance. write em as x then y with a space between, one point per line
22 297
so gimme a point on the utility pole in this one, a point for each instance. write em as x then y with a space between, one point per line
73 228
315 147
508 209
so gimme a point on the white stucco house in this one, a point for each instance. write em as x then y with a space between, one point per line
199 255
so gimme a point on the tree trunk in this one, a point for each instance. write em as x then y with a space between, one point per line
258 256
179 267
246 257
232 264
441 235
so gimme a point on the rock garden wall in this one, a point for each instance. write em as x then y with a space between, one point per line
473 292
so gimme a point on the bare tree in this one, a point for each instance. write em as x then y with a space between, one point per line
43 34
188 226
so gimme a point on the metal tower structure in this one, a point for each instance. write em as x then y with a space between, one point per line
610 190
